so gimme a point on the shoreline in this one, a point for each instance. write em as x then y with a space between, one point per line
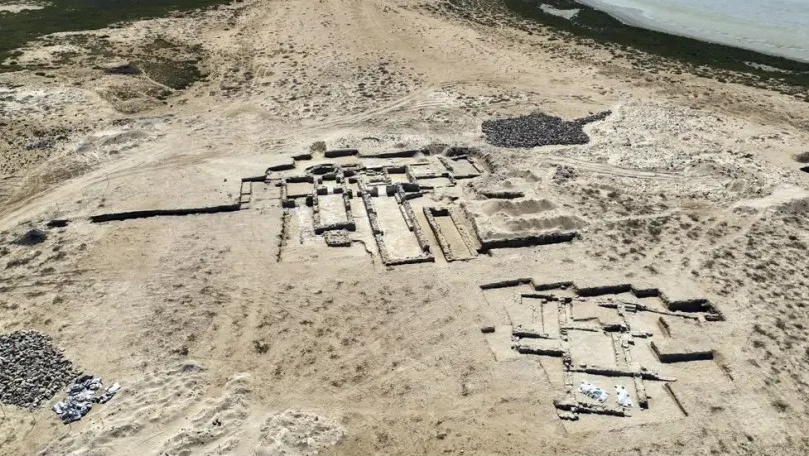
664 51
717 28
584 24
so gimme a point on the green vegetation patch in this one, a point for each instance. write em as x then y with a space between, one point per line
74 15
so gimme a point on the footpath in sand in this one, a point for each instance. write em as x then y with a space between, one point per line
315 249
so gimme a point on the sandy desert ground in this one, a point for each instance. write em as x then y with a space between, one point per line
242 332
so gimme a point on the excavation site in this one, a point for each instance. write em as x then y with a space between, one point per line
394 227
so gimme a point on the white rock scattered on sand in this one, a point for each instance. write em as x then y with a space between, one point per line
12 7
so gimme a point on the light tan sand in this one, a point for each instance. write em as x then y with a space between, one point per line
689 186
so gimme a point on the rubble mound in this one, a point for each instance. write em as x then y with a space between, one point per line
538 129
32 369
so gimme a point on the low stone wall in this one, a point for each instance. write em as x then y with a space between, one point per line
670 351
118 216
527 241
337 153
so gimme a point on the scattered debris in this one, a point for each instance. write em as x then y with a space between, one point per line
111 391
32 369
81 396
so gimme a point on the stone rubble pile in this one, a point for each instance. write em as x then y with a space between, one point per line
32 369
538 129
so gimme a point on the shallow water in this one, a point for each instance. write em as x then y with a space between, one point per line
776 27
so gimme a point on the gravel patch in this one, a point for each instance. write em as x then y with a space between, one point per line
32 369
538 129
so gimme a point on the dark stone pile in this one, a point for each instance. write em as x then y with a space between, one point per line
538 129
32 369
127 69
32 237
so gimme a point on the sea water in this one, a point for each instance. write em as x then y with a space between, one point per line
775 27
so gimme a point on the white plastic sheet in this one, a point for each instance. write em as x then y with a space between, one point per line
622 396
593 392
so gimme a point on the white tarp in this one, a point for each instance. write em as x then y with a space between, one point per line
622 396
593 392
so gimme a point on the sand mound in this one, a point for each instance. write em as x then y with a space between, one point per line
787 199
517 208
534 224
520 218
216 423
298 433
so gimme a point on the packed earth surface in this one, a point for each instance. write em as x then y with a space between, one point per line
395 227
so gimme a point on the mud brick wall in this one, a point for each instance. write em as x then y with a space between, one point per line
393 154
337 153
349 224
286 201
505 284
410 218
445 161
371 211
677 352
347 207
502 194
443 244
602 290
425 258
388 170
526 241
469 239
118 216
615 372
